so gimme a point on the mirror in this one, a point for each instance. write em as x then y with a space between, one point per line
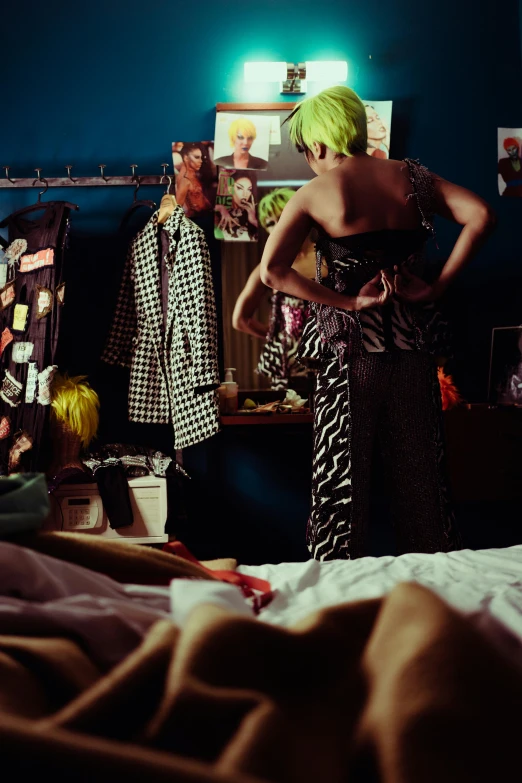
262 364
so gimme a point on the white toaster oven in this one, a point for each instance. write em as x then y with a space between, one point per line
78 508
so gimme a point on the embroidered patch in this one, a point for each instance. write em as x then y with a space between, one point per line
7 295
45 379
44 301
32 380
5 339
11 390
15 250
37 260
5 427
22 352
60 294
22 443
20 317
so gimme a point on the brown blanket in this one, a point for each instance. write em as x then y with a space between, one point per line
400 690
120 560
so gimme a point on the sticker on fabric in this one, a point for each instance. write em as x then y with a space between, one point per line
60 294
22 442
5 427
30 384
22 352
45 378
44 301
20 317
37 260
11 390
15 250
5 339
7 295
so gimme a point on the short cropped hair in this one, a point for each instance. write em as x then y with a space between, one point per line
335 117
273 204
244 125
511 142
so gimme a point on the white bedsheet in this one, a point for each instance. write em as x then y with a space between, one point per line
486 585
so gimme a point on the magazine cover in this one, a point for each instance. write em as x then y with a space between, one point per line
235 211
242 142
379 114
509 165
196 175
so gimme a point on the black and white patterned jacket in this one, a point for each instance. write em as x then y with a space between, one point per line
174 366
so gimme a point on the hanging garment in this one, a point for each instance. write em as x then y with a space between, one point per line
165 330
30 314
378 381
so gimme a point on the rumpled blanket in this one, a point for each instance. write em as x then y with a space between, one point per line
401 689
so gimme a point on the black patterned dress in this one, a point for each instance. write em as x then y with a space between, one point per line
278 358
377 381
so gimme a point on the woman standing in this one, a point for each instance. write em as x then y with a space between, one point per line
373 325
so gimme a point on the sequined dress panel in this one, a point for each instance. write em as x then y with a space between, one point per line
278 359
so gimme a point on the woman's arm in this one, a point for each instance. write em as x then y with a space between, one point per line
477 218
182 187
281 249
247 304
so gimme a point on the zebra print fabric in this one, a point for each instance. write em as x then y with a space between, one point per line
377 380
394 398
279 358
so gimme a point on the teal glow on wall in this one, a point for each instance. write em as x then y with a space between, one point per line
116 82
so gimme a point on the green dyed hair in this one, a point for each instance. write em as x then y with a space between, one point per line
241 124
273 204
335 117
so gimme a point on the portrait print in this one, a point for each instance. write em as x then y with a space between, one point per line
196 175
378 114
242 142
235 211
509 166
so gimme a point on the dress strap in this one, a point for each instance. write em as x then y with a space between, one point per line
423 192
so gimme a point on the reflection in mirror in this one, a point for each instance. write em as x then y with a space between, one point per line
262 328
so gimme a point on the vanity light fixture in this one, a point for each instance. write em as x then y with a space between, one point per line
293 76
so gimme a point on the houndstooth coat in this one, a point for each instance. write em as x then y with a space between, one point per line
173 366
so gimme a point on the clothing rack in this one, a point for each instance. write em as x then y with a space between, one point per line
99 181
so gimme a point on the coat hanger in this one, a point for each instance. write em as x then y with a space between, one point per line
136 204
168 202
39 204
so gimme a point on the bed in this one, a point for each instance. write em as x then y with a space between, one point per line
401 670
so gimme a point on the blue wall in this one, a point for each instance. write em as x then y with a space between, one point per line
116 82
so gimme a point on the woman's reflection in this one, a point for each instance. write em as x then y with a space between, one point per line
278 358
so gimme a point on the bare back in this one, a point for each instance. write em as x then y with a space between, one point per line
363 194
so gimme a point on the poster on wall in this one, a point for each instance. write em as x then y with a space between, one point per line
242 142
505 370
379 115
235 216
196 175
509 165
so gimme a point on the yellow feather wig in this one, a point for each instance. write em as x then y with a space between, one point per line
75 403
